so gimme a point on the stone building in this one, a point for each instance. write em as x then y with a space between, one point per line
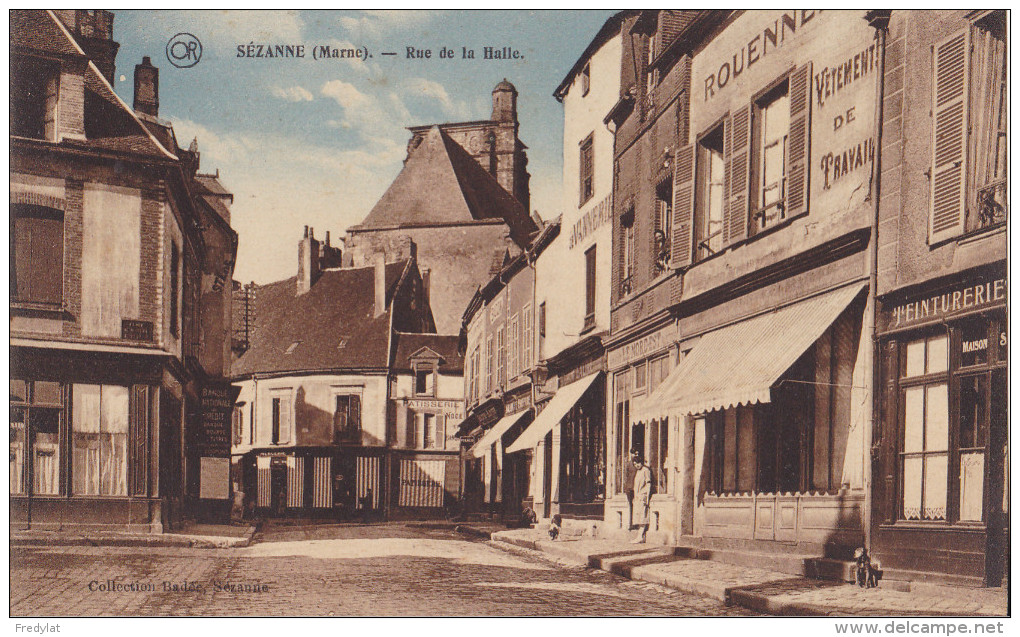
120 316
940 496
462 197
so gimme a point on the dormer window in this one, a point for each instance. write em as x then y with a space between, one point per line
424 380
34 89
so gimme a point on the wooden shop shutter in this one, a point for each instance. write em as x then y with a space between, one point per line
949 137
139 434
683 206
737 154
799 142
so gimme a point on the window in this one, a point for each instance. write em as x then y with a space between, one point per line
429 431
771 130
651 77
37 254
35 87
529 337
710 197
347 418
501 357
490 365
541 329
424 381
251 423
586 168
585 79
514 349
36 415
640 376
663 226
175 288
473 376
589 288
99 432
282 416
924 451
627 252
969 125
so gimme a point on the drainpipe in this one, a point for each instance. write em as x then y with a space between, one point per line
879 20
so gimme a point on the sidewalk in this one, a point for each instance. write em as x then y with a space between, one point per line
191 535
758 589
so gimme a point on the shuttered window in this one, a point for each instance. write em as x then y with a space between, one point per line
683 206
37 254
736 149
949 158
586 168
589 288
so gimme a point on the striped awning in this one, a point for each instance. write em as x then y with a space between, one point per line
738 364
557 408
489 438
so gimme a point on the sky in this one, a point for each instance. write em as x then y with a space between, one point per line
317 142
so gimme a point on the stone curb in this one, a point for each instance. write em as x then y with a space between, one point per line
165 540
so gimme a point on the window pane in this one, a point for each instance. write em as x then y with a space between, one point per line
777 118
46 393
113 442
972 411
46 450
972 475
936 430
19 391
85 427
913 420
912 488
935 477
17 449
938 354
915 358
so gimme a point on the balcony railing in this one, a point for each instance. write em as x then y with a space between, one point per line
992 204
769 216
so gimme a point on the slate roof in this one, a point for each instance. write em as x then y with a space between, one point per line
442 344
333 324
441 183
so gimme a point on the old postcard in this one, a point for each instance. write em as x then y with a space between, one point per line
674 313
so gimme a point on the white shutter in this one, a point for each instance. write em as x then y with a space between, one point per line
951 59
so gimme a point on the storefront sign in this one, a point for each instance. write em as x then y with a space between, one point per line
642 347
937 307
213 438
450 408
599 214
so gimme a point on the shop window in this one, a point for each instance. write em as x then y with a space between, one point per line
711 192
627 255
658 452
622 430
637 440
37 254
35 88
347 418
589 288
663 226
36 415
924 451
586 169
770 134
585 79
969 128
99 432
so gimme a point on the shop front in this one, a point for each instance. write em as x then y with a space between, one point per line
495 482
941 474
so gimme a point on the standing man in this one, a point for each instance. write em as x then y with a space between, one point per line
642 494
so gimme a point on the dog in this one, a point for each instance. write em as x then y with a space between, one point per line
554 526
867 572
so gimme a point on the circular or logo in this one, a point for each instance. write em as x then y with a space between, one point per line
184 50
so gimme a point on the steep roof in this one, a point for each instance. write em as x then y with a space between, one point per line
442 344
441 183
330 327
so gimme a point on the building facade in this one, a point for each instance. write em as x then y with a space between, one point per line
117 328
462 196
940 476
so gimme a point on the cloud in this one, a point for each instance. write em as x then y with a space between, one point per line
432 90
379 115
223 29
379 23
292 94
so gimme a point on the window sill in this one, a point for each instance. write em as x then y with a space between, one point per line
47 310
918 525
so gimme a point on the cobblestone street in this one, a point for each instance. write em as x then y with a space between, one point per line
388 570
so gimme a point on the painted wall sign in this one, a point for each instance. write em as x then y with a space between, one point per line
592 219
937 307
452 408
213 439
642 347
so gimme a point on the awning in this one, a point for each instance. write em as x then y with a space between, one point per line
489 438
739 363
557 408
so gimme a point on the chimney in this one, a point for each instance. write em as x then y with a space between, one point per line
93 30
426 286
147 88
380 283
308 261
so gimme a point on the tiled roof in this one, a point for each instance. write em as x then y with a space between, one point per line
34 29
442 344
441 183
330 327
